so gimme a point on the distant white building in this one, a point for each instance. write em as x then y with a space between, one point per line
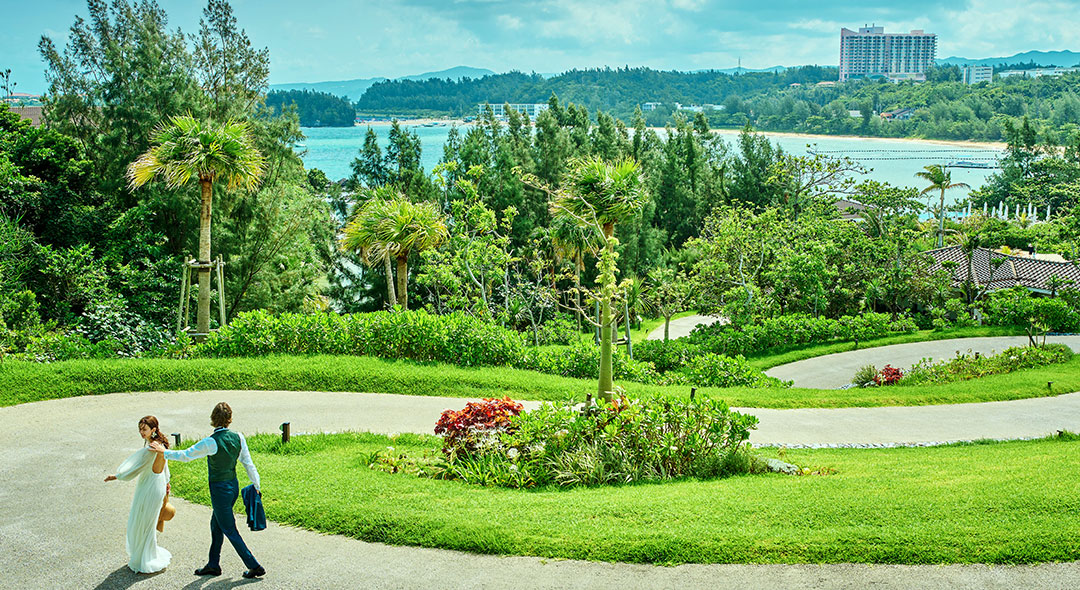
529 109
650 106
976 74
870 52
1038 72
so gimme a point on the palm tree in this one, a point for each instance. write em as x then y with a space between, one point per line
395 228
572 242
186 148
939 179
599 194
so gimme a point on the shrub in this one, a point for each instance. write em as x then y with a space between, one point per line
714 370
560 330
971 366
455 338
470 430
865 376
1017 307
666 356
795 329
890 375
625 441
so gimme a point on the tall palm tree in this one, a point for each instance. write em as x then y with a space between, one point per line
395 228
184 148
939 179
598 195
572 242
362 234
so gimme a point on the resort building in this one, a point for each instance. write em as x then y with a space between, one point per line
870 52
976 74
1038 72
529 109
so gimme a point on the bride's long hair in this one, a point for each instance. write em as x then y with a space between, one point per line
152 423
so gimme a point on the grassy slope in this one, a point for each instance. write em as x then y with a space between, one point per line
22 382
1013 502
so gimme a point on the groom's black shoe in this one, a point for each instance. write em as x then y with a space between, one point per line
208 571
255 572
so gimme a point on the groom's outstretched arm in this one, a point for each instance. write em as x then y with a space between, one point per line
203 448
249 465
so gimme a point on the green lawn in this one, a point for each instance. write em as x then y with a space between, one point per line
22 382
1016 502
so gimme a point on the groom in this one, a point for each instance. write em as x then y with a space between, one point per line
222 449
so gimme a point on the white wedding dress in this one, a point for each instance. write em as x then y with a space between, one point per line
144 555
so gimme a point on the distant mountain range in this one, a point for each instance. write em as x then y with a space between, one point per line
1043 58
354 89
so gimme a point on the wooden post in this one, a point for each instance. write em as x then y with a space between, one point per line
221 291
181 318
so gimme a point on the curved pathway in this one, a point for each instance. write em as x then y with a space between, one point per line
836 370
62 527
681 327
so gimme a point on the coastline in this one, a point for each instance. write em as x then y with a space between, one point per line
963 143
959 143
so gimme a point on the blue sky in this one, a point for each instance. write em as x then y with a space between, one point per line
316 40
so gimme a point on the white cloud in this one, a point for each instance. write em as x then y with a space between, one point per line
690 5
505 21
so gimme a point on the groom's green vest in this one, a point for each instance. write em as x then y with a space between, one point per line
222 464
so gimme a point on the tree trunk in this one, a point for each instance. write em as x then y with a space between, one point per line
578 265
667 325
391 295
941 222
203 312
403 281
605 387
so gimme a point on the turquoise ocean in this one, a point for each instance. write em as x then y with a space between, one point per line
332 149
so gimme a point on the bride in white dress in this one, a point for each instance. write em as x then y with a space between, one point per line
152 471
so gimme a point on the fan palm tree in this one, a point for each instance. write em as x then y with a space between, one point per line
598 195
394 228
185 148
572 242
941 180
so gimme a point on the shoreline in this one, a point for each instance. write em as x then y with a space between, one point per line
962 143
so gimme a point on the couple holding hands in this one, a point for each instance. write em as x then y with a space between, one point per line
150 507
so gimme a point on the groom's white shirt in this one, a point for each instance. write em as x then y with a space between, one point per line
208 446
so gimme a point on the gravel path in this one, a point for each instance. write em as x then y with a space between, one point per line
62 527
836 370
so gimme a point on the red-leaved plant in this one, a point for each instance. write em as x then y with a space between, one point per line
890 375
463 430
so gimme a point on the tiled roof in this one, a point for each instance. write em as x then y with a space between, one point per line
1012 271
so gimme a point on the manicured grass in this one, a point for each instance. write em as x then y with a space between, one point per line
1016 502
775 357
22 382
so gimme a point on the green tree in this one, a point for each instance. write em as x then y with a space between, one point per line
395 228
187 148
940 180
597 195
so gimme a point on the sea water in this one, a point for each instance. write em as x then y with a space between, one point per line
332 150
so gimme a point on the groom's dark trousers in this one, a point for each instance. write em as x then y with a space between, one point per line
223 496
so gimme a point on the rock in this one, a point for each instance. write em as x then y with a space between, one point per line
778 466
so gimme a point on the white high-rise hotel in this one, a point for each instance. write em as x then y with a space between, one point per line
871 52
